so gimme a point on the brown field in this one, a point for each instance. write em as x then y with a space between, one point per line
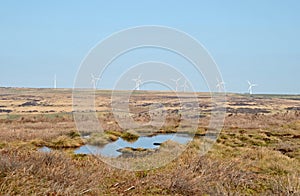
257 152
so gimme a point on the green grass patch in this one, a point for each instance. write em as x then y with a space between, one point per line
59 142
65 142
130 136
99 139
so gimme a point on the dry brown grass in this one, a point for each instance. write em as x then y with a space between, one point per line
25 171
256 154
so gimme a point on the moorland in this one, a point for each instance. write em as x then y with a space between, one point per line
257 151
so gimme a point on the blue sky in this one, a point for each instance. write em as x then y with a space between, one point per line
249 40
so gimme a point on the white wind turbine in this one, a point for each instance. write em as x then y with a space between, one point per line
220 85
177 83
54 81
138 82
250 87
185 86
94 81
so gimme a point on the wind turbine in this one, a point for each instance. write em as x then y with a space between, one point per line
185 86
250 87
177 83
138 82
54 81
220 85
94 81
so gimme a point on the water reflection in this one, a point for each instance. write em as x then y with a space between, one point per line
44 149
110 150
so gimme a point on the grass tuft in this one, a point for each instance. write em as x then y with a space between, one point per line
130 136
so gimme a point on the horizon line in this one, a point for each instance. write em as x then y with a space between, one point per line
225 92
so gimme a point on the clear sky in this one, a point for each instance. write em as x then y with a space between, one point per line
256 40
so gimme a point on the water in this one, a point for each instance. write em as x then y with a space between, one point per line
110 150
44 149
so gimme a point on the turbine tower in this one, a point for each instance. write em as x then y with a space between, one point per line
94 81
185 86
138 82
250 87
54 81
177 83
220 85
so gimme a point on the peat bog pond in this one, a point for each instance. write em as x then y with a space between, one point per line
146 142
